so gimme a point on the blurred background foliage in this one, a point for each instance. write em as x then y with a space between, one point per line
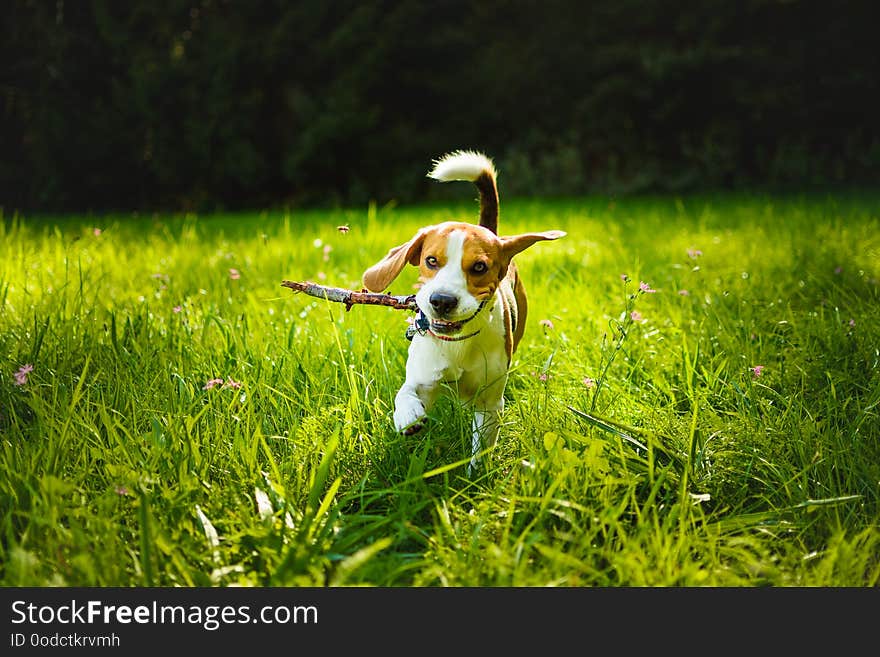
212 104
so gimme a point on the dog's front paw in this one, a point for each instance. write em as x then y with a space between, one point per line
409 418
413 429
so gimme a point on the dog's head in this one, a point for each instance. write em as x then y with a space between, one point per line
460 265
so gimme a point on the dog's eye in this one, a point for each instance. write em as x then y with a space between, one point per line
431 261
480 267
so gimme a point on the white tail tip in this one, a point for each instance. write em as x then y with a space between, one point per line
462 165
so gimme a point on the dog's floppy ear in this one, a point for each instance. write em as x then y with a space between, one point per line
515 243
378 277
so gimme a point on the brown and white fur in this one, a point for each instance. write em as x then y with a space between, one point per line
472 306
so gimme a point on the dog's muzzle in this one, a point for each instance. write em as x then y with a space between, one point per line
442 329
443 304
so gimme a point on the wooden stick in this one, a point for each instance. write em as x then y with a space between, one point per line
350 297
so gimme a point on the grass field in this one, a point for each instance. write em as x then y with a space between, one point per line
187 421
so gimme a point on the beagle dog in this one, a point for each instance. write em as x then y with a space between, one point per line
471 307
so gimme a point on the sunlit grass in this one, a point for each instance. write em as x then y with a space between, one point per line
657 457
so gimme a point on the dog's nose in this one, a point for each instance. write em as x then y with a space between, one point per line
443 303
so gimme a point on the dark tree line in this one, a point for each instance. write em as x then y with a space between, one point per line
207 104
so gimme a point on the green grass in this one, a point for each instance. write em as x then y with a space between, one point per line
681 467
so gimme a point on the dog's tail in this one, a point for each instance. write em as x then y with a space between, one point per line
477 168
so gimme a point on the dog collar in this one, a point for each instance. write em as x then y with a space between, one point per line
422 325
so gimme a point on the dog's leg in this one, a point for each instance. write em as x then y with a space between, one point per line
487 422
420 388
409 411
411 404
486 427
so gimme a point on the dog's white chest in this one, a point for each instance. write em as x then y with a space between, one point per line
480 357
445 361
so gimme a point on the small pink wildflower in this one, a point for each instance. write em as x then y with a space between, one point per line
234 274
177 309
543 377
232 384
838 269
211 383
693 254
96 232
757 370
635 316
22 375
624 278
684 293
322 276
644 287
327 250
852 322
589 383
547 323
121 490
